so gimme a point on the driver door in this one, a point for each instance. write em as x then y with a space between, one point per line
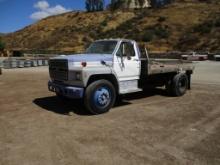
126 63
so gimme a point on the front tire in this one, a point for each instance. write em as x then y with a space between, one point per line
100 97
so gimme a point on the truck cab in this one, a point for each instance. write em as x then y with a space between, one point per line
113 67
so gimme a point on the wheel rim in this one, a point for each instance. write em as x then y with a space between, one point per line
102 97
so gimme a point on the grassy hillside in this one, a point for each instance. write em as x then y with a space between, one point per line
180 26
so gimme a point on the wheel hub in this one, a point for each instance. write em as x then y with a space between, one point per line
102 97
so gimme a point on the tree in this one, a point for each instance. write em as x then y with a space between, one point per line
94 5
101 5
141 3
115 4
160 3
88 6
2 45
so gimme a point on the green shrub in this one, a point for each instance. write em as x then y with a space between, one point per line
161 32
2 45
104 23
18 54
116 5
188 39
86 39
161 19
217 23
204 28
93 34
147 36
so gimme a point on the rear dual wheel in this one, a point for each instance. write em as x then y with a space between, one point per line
178 85
100 97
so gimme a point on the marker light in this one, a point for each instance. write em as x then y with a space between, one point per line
84 64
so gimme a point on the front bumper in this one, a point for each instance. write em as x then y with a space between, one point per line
67 91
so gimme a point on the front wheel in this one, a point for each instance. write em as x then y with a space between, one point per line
100 97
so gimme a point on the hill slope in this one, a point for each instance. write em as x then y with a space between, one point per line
180 26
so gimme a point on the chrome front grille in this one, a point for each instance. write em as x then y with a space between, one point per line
58 69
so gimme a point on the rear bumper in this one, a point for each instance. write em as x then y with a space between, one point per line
67 91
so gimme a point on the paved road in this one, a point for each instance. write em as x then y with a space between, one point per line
147 128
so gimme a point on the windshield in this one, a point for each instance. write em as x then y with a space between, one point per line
102 47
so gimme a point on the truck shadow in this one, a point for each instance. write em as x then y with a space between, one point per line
64 107
146 93
54 104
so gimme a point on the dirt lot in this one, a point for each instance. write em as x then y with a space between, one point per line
151 128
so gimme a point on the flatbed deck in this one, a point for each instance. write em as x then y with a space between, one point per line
157 66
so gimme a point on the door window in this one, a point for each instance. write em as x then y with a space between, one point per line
128 49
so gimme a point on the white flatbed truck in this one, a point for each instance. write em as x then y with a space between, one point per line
113 67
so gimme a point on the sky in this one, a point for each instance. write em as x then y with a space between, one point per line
16 14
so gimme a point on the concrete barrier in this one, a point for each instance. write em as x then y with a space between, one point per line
45 62
20 63
27 63
217 57
39 62
1 64
34 63
10 63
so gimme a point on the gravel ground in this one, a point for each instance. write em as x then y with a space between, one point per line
147 128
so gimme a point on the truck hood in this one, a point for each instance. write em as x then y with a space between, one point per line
87 57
